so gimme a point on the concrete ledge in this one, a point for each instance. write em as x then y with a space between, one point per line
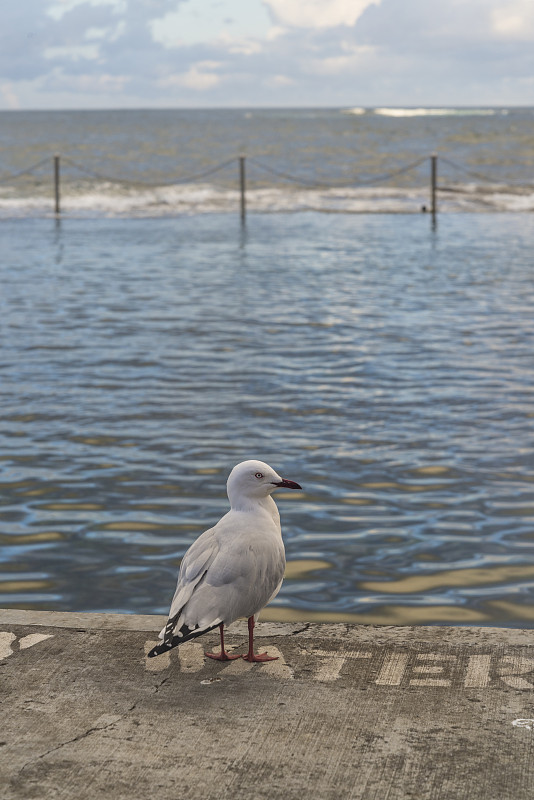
346 711
469 635
85 620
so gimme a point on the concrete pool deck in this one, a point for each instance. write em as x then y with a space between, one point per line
348 711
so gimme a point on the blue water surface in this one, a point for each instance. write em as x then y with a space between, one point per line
385 366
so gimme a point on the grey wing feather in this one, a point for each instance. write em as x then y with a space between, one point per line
193 568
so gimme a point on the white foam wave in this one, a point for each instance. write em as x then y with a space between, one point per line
437 112
108 200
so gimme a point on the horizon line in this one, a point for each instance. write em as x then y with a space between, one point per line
489 106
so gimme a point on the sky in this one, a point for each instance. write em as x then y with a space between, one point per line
61 54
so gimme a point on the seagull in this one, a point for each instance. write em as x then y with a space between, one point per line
234 569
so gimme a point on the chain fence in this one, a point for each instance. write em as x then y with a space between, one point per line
434 187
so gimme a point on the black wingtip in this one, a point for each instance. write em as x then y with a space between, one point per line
185 635
159 649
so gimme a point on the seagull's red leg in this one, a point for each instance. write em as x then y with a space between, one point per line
223 655
250 655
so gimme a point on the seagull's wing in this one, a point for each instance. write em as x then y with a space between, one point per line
193 569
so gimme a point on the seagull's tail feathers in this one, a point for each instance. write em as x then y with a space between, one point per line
185 633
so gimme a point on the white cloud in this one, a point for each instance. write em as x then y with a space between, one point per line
110 33
96 33
61 7
280 81
319 13
10 97
103 83
199 77
514 20
73 53
197 21
354 59
243 47
275 32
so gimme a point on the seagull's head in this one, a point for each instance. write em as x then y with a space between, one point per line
254 480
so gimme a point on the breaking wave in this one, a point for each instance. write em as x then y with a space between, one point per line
106 199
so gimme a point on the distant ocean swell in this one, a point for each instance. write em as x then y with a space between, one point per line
429 112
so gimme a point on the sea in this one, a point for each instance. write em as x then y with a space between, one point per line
352 160
379 355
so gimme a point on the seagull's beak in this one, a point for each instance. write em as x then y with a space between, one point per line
283 484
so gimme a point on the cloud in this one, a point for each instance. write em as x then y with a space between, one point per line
88 84
197 21
266 52
318 13
59 8
74 53
280 80
200 77
10 98
514 20
354 59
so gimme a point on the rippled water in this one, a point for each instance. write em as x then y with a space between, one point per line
385 367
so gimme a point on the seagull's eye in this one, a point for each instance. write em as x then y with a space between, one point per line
258 475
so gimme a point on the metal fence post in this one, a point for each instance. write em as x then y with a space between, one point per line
56 186
242 187
433 185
